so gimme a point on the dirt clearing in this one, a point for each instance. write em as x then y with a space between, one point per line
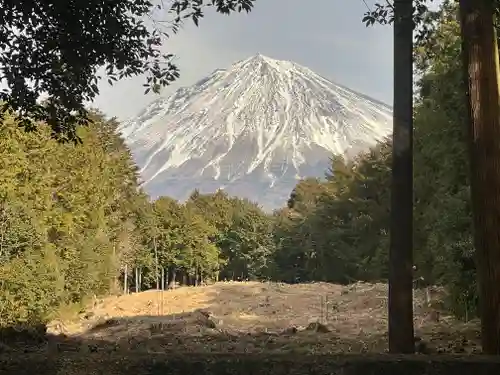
256 317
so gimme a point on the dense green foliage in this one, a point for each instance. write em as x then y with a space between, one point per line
63 212
73 218
56 48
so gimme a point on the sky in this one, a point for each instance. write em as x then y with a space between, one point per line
327 36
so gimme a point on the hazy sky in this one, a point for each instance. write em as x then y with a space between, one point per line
326 36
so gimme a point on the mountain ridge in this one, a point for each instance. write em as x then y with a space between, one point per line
253 129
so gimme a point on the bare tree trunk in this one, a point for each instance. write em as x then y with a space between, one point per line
401 333
125 280
172 282
162 278
116 283
480 54
156 264
136 279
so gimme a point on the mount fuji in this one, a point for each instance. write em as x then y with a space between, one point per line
253 130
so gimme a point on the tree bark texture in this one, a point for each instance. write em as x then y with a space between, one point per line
480 49
401 332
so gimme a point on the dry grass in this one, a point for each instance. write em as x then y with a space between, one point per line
255 317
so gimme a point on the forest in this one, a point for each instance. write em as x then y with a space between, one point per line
73 219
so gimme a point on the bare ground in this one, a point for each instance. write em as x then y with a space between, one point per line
262 317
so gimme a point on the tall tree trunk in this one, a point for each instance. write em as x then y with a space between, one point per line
479 48
136 279
115 278
171 284
156 264
401 334
125 280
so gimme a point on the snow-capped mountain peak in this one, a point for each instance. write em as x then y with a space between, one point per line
253 129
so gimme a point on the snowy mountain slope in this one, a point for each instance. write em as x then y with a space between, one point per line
252 129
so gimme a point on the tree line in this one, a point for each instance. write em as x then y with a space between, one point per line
73 219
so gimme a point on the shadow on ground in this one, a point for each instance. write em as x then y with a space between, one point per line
75 357
264 317
206 334
33 350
